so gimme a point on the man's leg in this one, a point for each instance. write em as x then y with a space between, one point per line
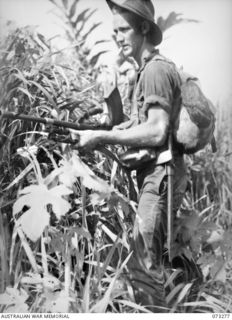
150 233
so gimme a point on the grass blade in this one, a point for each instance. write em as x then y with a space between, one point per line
28 250
20 176
133 305
174 292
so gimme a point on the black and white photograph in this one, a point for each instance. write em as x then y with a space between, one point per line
115 158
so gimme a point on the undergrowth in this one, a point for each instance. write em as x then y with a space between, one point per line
66 218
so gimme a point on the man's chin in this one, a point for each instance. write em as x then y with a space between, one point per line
126 53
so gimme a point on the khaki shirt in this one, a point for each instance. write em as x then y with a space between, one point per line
158 84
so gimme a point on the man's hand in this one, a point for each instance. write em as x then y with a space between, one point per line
87 139
151 133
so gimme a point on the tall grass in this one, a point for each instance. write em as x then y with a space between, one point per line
66 219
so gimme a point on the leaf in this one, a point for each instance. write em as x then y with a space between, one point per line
33 222
108 258
59 191
20 176
45 92
84 37
101 41
26 151
226 244
49 83
42 39
206 259
217 270
125 206
81 231
172 277
189 225
10 55
32 279
103 303
12 248
18 308
37 197
221 274
73 9
67 174
109 233
174 292
184 292
13 296
58 302
51 283
82 17
215 236
65 3
217 305
74 168
61 72
95 57
134 306
5 299
19 75
27 200
172 19
96 199
27 93
62 303
86 294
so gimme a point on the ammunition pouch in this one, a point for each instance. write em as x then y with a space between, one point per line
137 158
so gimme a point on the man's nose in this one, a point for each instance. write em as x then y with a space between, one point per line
119 37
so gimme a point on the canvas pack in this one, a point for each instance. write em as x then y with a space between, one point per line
194 127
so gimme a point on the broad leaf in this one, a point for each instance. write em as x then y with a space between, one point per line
215 236
172 20
58 302
14 299
75 168
37 198
33 222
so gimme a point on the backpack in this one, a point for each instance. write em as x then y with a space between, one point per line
194 127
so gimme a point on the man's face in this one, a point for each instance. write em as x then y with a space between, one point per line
129 39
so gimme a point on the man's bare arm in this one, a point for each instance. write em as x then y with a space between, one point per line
151 133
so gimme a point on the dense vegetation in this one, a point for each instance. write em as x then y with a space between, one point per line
66 218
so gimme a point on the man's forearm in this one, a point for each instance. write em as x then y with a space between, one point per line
143 135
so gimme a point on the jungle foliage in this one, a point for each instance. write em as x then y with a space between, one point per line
66 218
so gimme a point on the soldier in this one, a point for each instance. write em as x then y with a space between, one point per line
155 105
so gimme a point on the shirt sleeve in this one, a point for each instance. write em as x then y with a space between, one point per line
160 81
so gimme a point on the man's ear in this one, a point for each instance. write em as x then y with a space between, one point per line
145 27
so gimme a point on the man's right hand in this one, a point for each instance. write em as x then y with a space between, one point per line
86 139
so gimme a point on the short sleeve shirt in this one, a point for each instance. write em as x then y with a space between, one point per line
158 85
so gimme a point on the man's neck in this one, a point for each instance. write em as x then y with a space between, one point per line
145 52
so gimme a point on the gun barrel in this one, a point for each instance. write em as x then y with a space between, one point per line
49 121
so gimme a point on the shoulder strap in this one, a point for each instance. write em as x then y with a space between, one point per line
159 57
184 76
